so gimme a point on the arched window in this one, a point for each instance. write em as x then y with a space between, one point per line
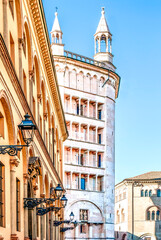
146 193
158 215
142 193
103 43
148 215
158 193
150 193
153 215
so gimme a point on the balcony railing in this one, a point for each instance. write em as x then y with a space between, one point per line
85 59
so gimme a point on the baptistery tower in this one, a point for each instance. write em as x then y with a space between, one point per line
88 89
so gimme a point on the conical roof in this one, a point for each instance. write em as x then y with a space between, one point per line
102 26
56 26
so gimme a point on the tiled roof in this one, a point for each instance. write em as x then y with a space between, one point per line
148 176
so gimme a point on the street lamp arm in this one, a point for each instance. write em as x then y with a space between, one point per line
12 150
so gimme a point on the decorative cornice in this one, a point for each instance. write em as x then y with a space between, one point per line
41 32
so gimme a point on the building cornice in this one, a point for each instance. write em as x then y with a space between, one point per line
133 181
41 32
90 67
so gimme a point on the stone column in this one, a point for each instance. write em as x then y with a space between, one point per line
13 164
79 156
110 46
88 133
34 223
88 182
99 45
71 180
79 131
96 110
90 231
71 104
107 44
88 159
87 108
25 177
79 180
47 226
76 232
96 134
96 158
96 183
71 130
71 155
42 219
51 228
79 106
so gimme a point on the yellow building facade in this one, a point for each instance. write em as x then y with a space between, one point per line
28 84
138 207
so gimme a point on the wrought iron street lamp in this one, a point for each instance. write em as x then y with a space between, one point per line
30 203
25 126
63 201
71 216
57 223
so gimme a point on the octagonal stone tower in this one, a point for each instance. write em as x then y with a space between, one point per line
88 89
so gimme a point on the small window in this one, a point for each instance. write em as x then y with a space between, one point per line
99 160
142 193
150 193
148 215
83 214
77 109
100 114
153 215
83 184
83 228
17 204
99 138
158 215
146 193
158 193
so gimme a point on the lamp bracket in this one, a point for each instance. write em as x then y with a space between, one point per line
42 211
30 203
57 223
66 229
12 150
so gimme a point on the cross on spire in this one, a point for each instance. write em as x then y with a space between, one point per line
56 9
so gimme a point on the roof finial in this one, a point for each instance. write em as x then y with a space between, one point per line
56 12
103 10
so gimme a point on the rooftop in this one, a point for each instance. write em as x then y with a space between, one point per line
147 176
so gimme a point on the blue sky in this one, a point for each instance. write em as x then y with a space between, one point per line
136 29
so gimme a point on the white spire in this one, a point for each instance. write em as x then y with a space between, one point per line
56 37
56 26
102 26
103 41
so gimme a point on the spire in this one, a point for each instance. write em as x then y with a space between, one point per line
56 26
56 37
103 41
102 26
